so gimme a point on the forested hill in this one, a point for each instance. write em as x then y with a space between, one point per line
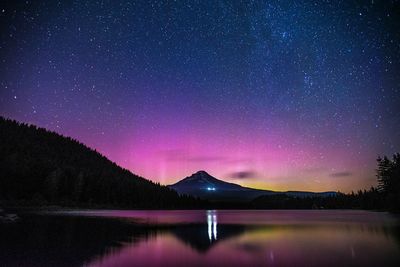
39 167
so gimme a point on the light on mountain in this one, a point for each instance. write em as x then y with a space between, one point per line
210 188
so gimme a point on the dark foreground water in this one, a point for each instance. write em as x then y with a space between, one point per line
202 238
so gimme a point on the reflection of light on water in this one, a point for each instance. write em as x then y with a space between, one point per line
212 224
209 223
215 226
271 255
353 253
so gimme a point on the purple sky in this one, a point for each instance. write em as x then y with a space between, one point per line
283 95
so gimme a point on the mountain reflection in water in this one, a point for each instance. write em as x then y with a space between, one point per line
202 238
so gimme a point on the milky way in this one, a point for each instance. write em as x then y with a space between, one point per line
285 95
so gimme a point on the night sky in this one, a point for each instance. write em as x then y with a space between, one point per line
284 95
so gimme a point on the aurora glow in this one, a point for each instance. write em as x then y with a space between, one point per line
283 95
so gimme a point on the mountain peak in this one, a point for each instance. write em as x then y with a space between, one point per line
203 185
204 181
201 172
199 176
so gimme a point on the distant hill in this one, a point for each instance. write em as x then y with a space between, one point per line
39 167
203 185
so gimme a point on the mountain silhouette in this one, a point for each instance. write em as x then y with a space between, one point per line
203 185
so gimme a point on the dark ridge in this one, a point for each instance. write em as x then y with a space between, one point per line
40 167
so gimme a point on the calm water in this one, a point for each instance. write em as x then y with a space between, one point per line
202 238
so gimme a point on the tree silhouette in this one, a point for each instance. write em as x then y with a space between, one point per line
388 175
42 167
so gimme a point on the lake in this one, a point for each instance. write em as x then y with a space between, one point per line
201 238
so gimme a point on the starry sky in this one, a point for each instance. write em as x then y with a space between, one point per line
283 95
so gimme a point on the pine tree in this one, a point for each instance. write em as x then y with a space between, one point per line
383 174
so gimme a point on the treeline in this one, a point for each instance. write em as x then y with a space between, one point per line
384 197
370 200
39 167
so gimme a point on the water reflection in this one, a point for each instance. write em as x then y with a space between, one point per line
212 224
206 238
